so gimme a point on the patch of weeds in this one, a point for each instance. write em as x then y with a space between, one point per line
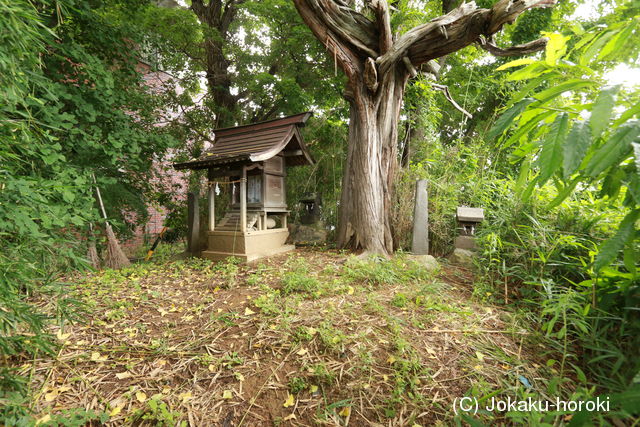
400 345
435 303
227 318
206 359
366 360
332 410
406 378
377 271
332 338
269 303
297 264
297 384
372 272
433 287
484 292
141 327
76 417
295 281
320 373
373 306
400 300
411 270
230 360
156 412
254 279
228 272
160 345
116 314
329 270
303 334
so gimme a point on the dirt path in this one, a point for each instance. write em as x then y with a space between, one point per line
304 339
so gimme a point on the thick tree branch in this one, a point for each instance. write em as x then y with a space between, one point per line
353 30
506 12
453 31
198 7
383 18
347 57
521 49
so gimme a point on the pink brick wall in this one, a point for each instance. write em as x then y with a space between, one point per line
164 177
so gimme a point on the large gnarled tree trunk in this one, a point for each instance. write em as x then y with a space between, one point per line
377 69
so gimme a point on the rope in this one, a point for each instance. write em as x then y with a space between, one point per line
212 183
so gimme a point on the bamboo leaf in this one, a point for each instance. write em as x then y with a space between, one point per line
523 175
612 182
633 189
524 128
505 120
594 47
615 149
564 193
602 109
629 113
617 43
528 89
575 147
629 257
636 155
556 47
530 71
550 157
611 247
516 63
554 91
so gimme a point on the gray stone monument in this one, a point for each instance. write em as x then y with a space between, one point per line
420 242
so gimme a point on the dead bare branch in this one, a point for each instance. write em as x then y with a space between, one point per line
447 94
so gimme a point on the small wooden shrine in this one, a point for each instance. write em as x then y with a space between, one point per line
254 158
468 220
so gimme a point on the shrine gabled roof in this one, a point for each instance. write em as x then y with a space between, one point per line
254 143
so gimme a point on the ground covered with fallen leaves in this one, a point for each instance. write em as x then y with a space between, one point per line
308 338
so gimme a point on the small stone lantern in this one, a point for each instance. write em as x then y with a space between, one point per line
311 206
468 220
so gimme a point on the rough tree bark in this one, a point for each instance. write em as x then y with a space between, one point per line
218 16
377 67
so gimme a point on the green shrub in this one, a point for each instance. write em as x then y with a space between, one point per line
295 281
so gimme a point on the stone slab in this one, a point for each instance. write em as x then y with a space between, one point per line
466 214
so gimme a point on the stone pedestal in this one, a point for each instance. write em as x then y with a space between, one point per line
309 234
465 242
247 246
